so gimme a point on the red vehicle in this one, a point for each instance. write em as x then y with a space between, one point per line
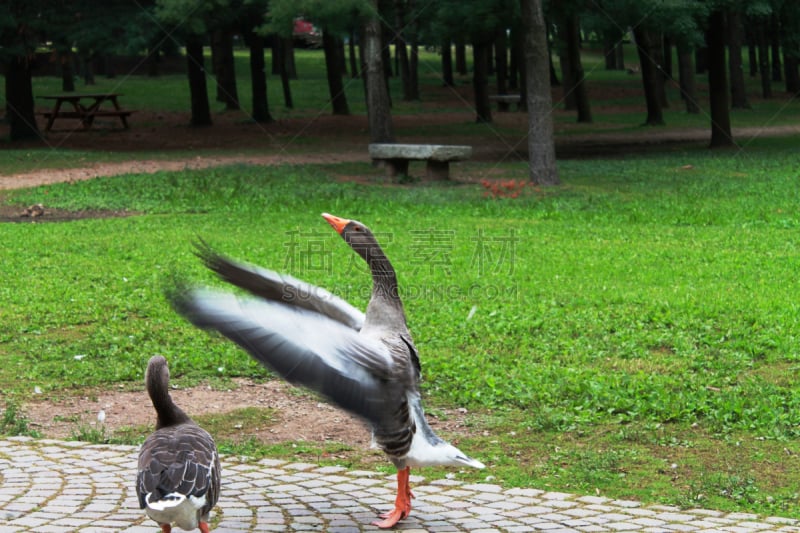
305 34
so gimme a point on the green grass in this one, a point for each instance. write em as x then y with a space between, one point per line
641 316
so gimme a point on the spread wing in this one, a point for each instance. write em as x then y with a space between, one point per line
280 287
363 376
180 459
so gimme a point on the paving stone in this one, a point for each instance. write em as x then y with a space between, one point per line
53 486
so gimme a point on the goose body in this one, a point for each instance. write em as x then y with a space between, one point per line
178 476
366 363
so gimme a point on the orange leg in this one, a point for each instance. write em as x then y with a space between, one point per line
166 528
402 504
204 527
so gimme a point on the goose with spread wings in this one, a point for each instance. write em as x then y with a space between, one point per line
366 363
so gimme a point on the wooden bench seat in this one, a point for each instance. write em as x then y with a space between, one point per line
89 117
396 157
504 101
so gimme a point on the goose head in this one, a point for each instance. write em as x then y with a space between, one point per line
156 379
361 239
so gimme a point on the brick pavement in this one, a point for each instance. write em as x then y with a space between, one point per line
48 486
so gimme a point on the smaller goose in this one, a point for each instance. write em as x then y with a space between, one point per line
179 471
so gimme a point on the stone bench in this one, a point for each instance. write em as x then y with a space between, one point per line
395 157
504 101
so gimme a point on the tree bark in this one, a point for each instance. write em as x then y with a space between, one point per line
224 69
351 49
568 84
378 105
700 60
201 113
258 78
279 63
790 65
718 91
666 63
516 57
775 44
480 80
735 38
651 76
541 144
461 58
19 99
572 34
67 71
330 44
447 64
401 49
687 82
87 62
752 59
501 62
763 59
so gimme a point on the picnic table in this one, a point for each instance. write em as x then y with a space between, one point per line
84 107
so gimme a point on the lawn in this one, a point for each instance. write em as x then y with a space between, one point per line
632 333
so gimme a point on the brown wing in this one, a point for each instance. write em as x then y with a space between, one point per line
179 459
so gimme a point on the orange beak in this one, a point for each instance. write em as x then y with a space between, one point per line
336 223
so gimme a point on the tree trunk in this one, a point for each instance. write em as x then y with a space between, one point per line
224 69
330 44
447 64
524 69
553 76
666 63
413 60
568 85
351 49
67 71
609 43
735 38
651 75
752 59
687 82
763 59
401 49
516 57
258 78
775 44
541 144
154 60
386 56
278 61
790 65
658 58
87 62
287 57
413 69
461 58
501 62
572 34
700 60
718 91
480 81
19 99
201 113
620 52
378 105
